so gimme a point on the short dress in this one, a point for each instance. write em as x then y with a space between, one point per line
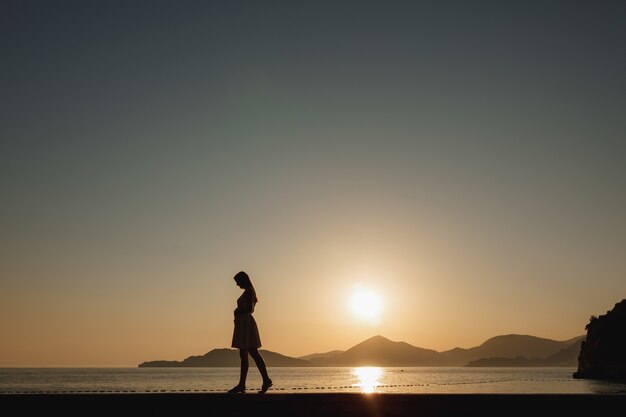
246 333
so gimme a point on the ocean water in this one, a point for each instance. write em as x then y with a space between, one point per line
303 380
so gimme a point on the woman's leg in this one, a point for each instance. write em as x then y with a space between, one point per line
260 363
243 373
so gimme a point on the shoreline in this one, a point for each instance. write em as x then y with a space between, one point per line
316 404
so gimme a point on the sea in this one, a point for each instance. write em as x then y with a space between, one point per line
410 380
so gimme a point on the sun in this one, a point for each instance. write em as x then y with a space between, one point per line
365 304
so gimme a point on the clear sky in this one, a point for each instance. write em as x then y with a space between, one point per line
464 161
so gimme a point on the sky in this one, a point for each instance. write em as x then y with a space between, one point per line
463 161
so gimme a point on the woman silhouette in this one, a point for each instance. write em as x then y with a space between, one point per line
246 335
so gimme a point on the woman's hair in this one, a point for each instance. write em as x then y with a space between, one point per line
243 280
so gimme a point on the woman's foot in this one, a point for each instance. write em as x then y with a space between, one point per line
237 390
266 385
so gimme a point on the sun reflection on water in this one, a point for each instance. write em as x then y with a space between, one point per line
368 378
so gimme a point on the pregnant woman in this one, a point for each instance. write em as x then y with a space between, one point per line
246 335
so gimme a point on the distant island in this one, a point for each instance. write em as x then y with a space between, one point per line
505 350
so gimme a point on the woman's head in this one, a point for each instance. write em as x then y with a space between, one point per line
243 280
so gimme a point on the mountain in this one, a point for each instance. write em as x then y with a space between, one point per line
505 350
520 361
567 356
380 351
564 357
602 354
226 358
507 346
314 356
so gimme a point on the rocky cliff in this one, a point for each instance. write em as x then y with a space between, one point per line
603 352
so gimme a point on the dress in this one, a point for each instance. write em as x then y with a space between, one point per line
246 333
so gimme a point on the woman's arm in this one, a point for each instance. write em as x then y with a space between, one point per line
248 296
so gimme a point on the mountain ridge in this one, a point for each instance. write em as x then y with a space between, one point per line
508 346
380 351
224 357
565 357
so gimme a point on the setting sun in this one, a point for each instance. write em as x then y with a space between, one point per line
366 304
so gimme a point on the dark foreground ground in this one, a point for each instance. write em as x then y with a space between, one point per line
324 405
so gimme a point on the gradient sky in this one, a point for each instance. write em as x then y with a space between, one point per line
466 160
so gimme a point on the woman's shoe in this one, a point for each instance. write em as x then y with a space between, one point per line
237 390
266 386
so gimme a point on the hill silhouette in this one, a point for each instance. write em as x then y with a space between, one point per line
381 351
512 349
314 356
564 357
227 358
567 356
507 346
